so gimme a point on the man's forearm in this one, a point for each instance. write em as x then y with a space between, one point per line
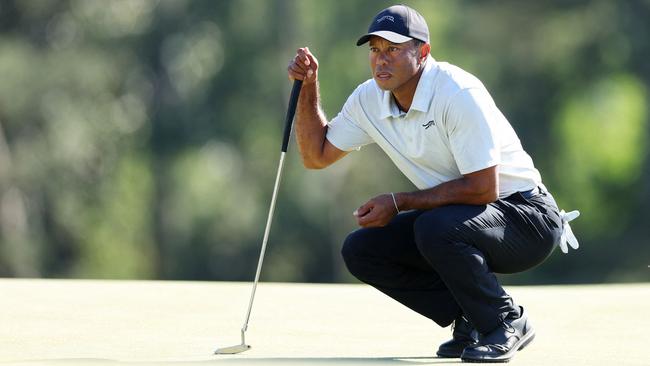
458 191
311 125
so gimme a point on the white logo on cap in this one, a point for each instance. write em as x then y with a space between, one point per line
389 17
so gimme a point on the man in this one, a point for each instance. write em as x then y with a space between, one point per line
480 206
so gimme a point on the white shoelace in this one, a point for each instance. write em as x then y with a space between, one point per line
567 233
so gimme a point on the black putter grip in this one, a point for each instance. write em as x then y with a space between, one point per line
293 101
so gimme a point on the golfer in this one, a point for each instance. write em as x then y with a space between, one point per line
480 207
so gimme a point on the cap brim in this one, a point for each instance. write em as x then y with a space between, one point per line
387 35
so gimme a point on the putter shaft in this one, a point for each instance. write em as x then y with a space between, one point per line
269 219
293 101
243 346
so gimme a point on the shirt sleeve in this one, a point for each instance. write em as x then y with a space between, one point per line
472 125
344 130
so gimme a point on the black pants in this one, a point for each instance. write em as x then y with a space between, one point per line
441 262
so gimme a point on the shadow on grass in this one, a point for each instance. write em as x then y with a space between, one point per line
339 361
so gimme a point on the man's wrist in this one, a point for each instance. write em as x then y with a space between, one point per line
309 94
309 85
401 198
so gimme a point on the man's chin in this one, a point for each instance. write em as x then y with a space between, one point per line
384 85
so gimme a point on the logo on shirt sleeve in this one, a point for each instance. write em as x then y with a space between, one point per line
429 124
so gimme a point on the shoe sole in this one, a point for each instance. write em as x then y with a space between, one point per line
506 356
448 355
443 354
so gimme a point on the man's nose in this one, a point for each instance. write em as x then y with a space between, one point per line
382 59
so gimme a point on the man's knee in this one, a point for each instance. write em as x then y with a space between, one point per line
353 245
353 250
349 246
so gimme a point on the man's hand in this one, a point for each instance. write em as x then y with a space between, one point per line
377 212
303 67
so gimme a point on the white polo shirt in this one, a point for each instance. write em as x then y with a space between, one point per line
452 128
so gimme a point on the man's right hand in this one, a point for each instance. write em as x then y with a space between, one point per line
311 126
304 67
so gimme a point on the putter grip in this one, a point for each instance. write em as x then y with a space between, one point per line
293 101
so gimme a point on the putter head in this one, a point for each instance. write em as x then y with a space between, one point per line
232 350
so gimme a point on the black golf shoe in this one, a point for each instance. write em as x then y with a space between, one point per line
463 335
501 344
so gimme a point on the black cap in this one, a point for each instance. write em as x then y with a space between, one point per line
398 24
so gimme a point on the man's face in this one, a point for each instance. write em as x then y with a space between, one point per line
393 64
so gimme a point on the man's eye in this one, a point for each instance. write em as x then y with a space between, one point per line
393 49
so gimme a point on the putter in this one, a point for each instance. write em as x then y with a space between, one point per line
293 101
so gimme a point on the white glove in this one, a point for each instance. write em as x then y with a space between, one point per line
567 233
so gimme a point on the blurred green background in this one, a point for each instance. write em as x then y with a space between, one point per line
140 138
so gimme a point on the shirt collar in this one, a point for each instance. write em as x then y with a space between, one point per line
422 97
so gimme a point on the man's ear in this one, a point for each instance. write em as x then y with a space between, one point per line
425 50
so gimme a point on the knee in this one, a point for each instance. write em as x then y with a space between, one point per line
350 246
353 250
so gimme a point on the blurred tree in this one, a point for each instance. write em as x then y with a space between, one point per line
139 138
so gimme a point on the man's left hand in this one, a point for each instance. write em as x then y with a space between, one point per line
377 212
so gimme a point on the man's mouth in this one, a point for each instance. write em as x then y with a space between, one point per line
383 75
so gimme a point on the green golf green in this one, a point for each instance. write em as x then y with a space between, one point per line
78 322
